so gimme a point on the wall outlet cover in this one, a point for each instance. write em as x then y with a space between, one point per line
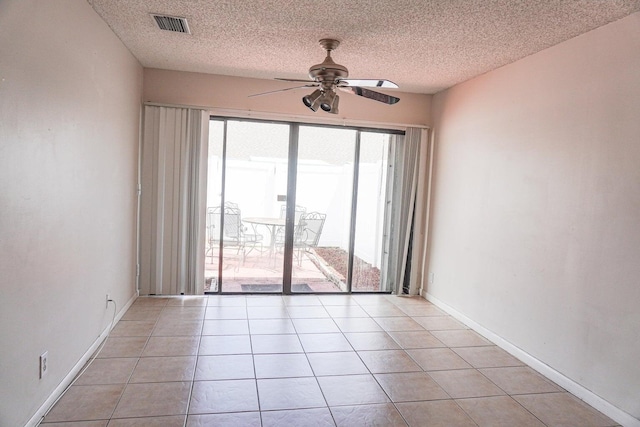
44 364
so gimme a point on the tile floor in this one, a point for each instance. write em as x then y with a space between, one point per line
308 360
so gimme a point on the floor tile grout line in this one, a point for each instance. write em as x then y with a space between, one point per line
507 395
253 362
376 379
320 388
113 412
314 371
427 372
195 368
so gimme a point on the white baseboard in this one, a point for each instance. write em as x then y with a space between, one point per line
568 384
37 417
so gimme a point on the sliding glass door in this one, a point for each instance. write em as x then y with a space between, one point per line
371 197
246 193
324 177
295 208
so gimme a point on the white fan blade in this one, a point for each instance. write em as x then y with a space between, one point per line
369 83
370 94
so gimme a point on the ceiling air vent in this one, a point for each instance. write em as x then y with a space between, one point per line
172 23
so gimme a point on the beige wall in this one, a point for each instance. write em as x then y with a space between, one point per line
536 210
70 97
232 93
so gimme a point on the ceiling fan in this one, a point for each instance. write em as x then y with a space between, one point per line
329 76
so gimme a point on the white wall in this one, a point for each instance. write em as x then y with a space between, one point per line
70 97
536 209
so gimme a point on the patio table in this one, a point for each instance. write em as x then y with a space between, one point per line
272 224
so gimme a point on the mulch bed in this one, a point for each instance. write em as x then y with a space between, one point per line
365 277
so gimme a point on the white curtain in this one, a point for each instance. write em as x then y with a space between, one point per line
173 181
421 216
405 215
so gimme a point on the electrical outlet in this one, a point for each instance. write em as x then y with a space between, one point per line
44 364
431 278
107 301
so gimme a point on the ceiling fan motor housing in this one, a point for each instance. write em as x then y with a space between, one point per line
328 72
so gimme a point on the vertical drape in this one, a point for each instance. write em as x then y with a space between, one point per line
420 223
173 190
401 214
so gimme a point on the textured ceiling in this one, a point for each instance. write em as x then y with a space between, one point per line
422 45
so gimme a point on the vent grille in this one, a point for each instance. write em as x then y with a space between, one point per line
172 23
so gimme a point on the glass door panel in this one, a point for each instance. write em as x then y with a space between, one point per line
250 193
214 199
369 241
324 179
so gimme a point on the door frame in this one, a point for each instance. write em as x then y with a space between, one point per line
292 163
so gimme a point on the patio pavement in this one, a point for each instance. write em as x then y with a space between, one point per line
263 268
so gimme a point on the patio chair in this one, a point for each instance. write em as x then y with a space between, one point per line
234 234
252 240
299 211
307 233
247 239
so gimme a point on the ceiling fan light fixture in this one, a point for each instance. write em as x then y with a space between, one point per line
313 100
334 106
327 100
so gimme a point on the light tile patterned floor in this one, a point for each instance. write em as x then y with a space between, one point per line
308 360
